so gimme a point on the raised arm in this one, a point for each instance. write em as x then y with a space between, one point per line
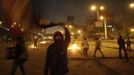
67 36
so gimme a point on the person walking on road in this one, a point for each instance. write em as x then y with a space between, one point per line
35 42
85 47
98 47
20 56
121 43
56 58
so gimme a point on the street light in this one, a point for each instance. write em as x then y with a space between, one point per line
131 5
105 26
132 29
95 8
79 31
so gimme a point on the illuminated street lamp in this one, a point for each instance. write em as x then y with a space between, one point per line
95 8
132 29
131 5
101 17
70 26
101 7
105 25
79 31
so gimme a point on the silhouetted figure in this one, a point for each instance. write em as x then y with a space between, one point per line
56 58
35 42
128 45
98 47
20 56
121 44
85 46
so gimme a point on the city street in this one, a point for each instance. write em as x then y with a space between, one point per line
78 64
87 26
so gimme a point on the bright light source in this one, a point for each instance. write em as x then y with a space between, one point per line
70 26
74 48
109 26
43 42
101 17
131 5
0 22
79 31
93 7
132 29
101 7
31 46
35 47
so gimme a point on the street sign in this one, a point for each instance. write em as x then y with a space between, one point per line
98 24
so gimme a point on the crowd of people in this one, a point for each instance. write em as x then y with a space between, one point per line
56 57
123 46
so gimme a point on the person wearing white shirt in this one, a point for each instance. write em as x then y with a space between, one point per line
85 46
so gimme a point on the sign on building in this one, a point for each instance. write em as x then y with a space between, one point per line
98 24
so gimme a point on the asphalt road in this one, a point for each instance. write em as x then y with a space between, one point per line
78 64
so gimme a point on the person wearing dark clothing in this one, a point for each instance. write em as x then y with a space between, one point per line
20 56
56 57
35 42
129 45
121 43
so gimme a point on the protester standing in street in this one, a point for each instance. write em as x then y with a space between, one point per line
121 43
20 56
35 42
85 47
56 57
98 47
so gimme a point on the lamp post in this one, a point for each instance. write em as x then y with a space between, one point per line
95 8
105 26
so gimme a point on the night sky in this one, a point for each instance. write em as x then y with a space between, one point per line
58 10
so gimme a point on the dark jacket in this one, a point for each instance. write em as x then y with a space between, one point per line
121 42
56 58
20 52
